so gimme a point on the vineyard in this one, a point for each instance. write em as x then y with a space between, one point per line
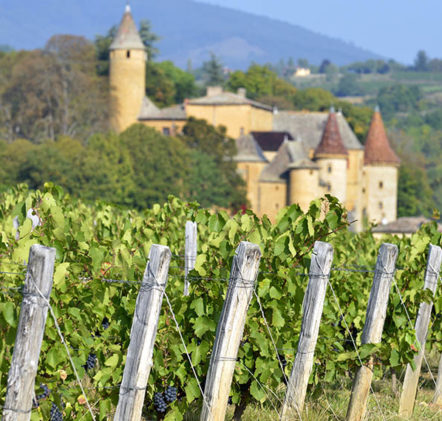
101 254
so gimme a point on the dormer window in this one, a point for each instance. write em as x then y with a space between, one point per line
128 54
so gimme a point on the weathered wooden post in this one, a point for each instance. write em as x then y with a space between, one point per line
30 330
408 395
229 331
313 304
142 335
190 252
374 325
437 400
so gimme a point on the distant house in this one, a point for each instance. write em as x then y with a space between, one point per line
302 72
404 226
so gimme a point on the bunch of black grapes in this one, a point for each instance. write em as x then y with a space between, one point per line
90 362
161 400
41 396
56 414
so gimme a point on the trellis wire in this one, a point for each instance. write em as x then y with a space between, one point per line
354 345
185 349
411 325
65 345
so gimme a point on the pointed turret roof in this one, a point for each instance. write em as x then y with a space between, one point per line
377 146
127 37
331 141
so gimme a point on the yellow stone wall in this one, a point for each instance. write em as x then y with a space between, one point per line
175 127
237 119
303 187
354 201
380 193
272 198
127 87
250 172
333 171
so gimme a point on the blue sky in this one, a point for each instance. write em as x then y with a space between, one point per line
393 28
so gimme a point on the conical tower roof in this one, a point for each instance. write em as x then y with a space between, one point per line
377 146
127 37
331 141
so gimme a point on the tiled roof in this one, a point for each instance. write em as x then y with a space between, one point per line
228 98
271 141
404 225
309 126
331 141
127 37
377 146
248 150
149 111
292 154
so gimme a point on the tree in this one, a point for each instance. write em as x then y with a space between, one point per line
149 38
303 62
208 140
398 98
325 64
348 85
421 61
212 71
102 44
159 87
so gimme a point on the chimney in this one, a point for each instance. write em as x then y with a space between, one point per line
214 90
242 92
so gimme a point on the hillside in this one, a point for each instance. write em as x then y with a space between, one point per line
188 30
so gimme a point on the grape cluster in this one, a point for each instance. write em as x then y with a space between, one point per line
90 362
170 394
56 414
105 323
159 403
41 396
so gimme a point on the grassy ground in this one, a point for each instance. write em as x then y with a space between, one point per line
331 404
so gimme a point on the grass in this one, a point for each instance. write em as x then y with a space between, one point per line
330 403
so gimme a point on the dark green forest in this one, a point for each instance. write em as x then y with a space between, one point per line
54 125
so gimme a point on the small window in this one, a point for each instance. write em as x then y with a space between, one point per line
381 205
329 188
166 131
363 190
277 205
311 172
276 188
128 54
329 169
381 184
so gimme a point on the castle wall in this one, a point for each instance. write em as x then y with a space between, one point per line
333 173
250 172
354 202
272 197
127 87
303 187
174 126
380 193
238 119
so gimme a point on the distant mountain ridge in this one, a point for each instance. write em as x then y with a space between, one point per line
188 30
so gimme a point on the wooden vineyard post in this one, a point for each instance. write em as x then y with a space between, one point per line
408 395
374 325
30 330
142 335
313 304
229 331
437 400
189 252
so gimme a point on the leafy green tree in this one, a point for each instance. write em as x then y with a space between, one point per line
399 98
212 141
212 71
421 61
102 44
149 38
184 82
159 87
159 164
348 85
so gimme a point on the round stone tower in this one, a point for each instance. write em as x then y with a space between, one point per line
331 155
380 174
127 74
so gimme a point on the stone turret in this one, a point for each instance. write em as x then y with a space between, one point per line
331 155
380 174
127 74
